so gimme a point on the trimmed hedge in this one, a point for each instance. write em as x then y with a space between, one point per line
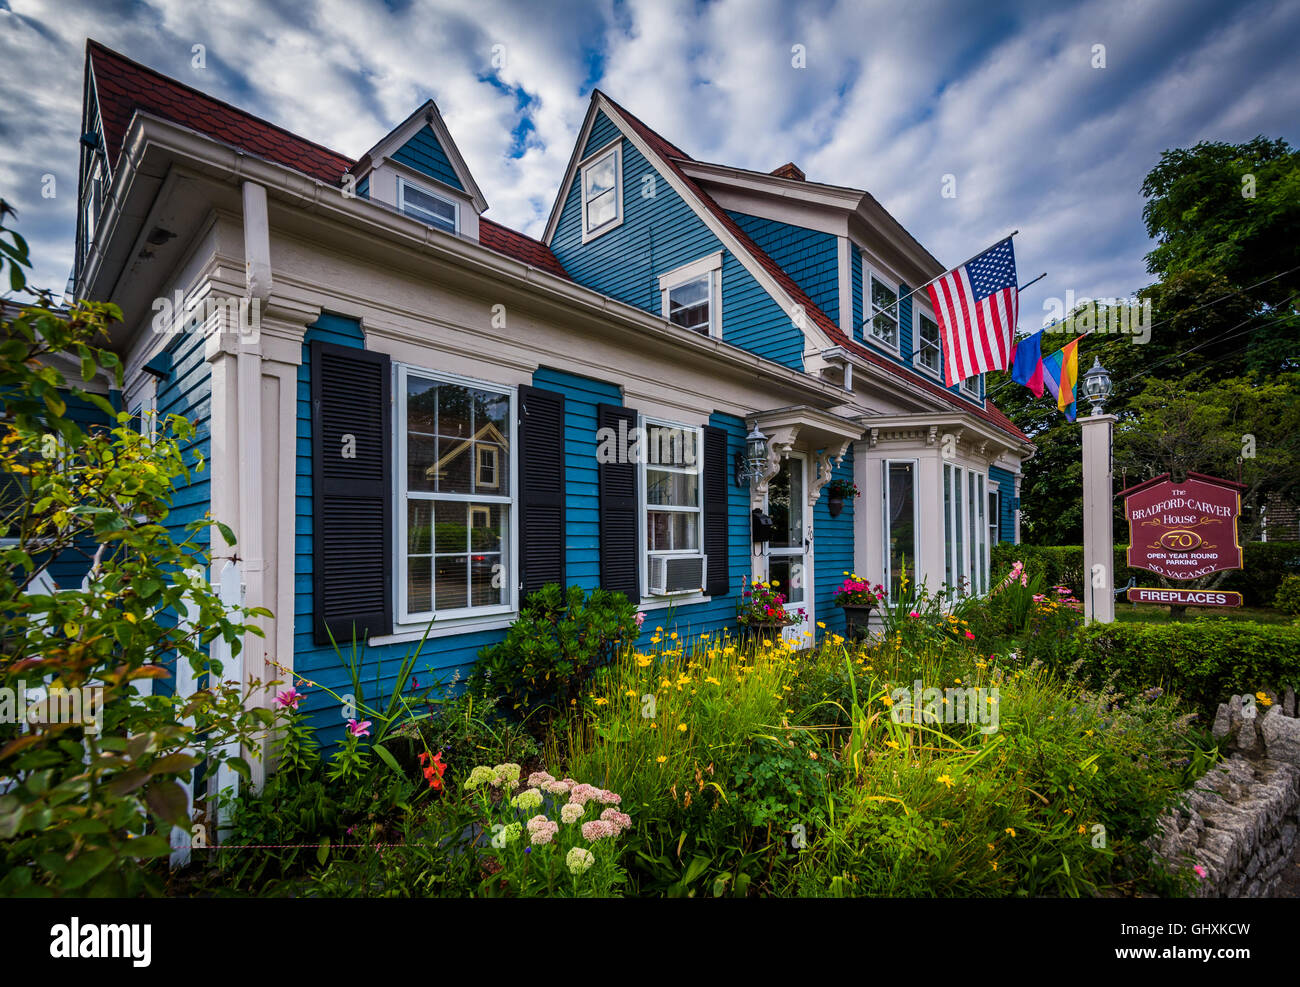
1266 564
1202 661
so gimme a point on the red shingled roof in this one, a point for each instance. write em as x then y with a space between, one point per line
123 86
670 155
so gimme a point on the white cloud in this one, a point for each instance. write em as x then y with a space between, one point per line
1000 95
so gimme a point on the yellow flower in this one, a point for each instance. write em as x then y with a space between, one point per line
1009 831
1263 699
710 678
892 743
1087 733
602 701
995 865
681 727
821 624
660 759
1082 830
991 848
945 780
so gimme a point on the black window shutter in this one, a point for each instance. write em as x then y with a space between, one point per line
716 547
541 488
619 544
351 440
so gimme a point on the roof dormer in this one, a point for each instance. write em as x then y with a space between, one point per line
418 170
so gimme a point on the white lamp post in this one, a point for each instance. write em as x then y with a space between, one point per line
1098 496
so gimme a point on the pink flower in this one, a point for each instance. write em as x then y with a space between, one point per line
599 829
542 830
609 798
1201 872
290 698
539 778
620 820
640 619
970 636
582 794
361 729
914 614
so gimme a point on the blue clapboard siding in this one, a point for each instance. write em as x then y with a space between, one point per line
809 256
832 549
440 658
423 153
1006 502
582 494
660 233
856 270
187 391
719 613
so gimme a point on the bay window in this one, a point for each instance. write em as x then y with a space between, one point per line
966 530
456 492
900 535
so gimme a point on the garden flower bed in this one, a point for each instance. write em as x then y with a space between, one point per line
927 762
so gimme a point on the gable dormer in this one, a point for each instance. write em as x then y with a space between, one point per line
418 170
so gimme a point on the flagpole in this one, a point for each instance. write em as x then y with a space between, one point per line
899 300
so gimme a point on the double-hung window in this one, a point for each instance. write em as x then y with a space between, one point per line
602 198
691 295
674 508
967 529
457 496
928 353
427 206
882 320
971 386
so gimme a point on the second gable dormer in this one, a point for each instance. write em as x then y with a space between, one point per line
418 170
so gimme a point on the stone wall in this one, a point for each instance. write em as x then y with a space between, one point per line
1240 821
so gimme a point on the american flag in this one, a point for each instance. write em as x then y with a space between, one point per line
977 305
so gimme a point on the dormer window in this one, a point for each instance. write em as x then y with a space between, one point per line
602 192
426 206
882 323
691 295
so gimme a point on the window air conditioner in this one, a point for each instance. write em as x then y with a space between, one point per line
670 574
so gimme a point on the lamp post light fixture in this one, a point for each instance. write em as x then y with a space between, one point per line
751 465
1097 385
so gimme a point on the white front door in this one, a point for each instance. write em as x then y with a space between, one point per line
789 561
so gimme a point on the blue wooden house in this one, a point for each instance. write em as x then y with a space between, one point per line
414 416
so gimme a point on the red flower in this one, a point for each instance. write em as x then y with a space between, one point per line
433 770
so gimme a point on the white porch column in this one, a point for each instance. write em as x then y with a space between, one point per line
1098 538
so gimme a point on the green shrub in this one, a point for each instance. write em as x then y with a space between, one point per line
1265 565
551 651
1288 596
1204 661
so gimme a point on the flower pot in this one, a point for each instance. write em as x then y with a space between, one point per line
761 632
856 619
836 504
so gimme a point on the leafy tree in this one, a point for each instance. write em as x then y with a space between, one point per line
85 805
1211 322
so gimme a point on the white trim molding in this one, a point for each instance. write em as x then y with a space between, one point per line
710 267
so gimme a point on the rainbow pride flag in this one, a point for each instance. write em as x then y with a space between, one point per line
1060 374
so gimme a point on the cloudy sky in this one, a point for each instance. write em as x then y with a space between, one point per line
1005 96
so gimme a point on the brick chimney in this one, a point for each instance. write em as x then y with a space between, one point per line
789 170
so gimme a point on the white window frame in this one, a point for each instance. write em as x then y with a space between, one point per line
970 386
710 267
885 564
994 493
869 309
405 619
645 423
403 182
917 315
970 527
614 148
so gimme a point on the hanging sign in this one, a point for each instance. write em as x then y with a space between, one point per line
1183 530
1183 597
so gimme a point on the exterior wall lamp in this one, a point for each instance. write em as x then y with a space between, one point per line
751 464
